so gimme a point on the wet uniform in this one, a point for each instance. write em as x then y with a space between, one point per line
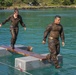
54 31
14 28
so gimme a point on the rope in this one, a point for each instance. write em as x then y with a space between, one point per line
15 68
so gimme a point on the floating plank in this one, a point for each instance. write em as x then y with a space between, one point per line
24 52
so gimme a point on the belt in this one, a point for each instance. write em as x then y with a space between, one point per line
51 38
11 27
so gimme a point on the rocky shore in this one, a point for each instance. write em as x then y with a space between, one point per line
37 7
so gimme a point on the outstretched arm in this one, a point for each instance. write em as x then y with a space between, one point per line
5 21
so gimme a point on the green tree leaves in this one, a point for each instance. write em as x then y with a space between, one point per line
6 2
67 2
37 2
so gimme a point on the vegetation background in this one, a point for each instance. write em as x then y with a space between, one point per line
19 3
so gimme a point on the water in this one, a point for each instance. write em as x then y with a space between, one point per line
36 22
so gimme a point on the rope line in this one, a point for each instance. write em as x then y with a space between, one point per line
14 68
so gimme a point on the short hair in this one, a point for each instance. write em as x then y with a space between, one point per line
57 16
16 10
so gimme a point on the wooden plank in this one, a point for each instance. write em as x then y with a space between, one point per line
25 52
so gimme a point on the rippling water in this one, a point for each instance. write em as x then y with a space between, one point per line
36 22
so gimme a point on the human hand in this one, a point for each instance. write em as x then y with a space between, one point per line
43 42
24 28
0 25
63 44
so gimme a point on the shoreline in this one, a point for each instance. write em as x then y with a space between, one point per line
37 7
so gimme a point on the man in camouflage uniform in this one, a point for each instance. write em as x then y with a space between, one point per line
54 30
15 19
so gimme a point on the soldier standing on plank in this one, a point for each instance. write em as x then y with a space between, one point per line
14 28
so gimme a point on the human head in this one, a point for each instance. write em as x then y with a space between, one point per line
57 19
16 12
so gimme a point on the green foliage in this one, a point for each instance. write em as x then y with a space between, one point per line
67 2
8 2
17 1
1 2
74 1
37 2
44 2
28 1
56 1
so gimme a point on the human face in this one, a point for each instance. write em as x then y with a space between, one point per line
16 13
57 20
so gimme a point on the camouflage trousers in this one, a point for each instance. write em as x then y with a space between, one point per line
14 33
54 47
